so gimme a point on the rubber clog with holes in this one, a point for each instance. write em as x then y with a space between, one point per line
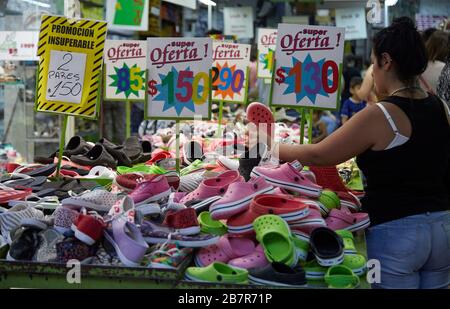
327 246
288 176
256 259
328 200
301 244
286 206
210 226
76 146
231 164
341 277
349 244
238 196
278 274
309 223
344 219
356 262
217 272
349 200
211 190
261 116
273 233
98 155
226 249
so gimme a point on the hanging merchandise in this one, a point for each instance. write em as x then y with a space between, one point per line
267 41
70 66
230 72
179 85
308 66
125 70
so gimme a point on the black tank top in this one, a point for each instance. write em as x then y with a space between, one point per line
413 178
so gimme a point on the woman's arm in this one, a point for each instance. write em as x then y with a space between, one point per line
367 85
358 135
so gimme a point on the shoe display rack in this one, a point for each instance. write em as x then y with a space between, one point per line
18 274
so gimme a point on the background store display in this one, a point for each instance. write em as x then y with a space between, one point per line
354 22
238 21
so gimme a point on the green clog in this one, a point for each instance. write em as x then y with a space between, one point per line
314 271
273 233
328 200
210 226
140 168
341 277
217 272
349 244
356 262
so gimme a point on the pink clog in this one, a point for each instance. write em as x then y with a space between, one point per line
261 115
287 207
226 249
255 259
310 223
344 219
210 190
238 198
288 176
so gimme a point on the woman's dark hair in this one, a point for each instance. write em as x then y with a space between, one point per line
403 43
438 46
426 34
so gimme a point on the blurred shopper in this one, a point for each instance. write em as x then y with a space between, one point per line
437 49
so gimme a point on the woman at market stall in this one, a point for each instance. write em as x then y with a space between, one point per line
402 146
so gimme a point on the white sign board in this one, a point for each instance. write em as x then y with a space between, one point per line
125 70
354 22
308 66
238 21
66 76
18 45
179 84
267 42
229 72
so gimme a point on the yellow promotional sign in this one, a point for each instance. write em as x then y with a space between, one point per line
70 66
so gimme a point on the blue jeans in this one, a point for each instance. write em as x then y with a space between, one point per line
414 252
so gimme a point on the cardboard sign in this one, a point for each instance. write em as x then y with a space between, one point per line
125 70
179 84
308 66
354 22
267 42
238 21
70 65
230 71
127 14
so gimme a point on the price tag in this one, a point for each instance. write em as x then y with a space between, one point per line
66 76
229 72
267 40
125 70
308 66
179 85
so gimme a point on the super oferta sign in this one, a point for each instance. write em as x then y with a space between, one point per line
179 85
308 66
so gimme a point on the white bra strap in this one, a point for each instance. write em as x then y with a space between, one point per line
388 117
